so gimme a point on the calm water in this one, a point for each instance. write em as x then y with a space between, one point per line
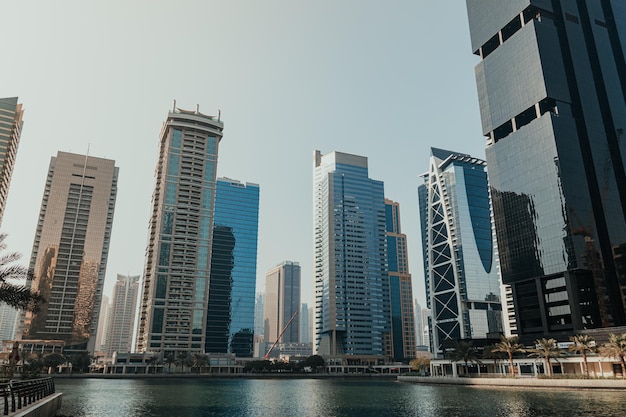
321 398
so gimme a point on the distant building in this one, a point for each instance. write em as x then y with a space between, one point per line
122 315
552 85
259 327
9 317
351 296
71 248
11 114
282 301
462 285
174 304
419 323
304 324
232 287
400 287
103 322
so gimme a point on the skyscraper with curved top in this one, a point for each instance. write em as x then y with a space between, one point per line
352 314
176 275
462 285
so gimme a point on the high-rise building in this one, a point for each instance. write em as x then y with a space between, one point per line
71 247
400 287
121 324
419 324
9 317
176 276
232 287
259 326
552 89
10 130
304 324
103 323
352 313
462 284
282 302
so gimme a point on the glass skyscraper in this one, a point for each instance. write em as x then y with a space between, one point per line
462 284
232 287
71 248
282 301
352 313
11 114
403 340
552 88
176 275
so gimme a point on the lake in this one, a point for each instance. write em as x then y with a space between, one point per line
91 397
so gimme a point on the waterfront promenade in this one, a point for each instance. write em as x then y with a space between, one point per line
523 382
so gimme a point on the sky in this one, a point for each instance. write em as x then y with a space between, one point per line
386 80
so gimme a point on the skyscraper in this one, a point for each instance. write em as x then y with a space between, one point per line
176 275
552 89
462 284
10 130
121 323
304 324
232 287
403 340
71 247
352 313
282 301
8 321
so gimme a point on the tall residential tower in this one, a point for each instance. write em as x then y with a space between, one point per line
121 320
282 301
10 130
176 275
352 313
71 247
552 90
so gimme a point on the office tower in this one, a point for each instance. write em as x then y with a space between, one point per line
282 302
419 324
552 87
10 130
103 323
462 286
352 313
232 287
304 323
8 321
176 275
259 306
70 250
122 315
426 327
400 287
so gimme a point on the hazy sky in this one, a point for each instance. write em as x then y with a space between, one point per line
382 79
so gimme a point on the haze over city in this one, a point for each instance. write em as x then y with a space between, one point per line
288 78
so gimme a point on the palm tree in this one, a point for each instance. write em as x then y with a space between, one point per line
466 352
16 296
182 361
490 352
616 348
583 343
200 361
547 349
510 346
169 361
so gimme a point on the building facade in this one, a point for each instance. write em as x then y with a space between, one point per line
403 340
352 313
71 247
232 287
304 324
9 319
552 89
462 284
11 114
176 275
121 323
282 303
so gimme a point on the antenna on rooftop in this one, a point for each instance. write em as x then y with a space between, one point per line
174 107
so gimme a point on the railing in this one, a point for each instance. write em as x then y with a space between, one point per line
18 394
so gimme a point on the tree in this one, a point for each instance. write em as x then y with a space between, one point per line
616 348
169 361
80 361
200 361
16 296
420 364
490 352
466 352
582 343
510 346
182 361
547 349
53 360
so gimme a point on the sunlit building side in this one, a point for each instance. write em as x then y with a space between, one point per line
11 114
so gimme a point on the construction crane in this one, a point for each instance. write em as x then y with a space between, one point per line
267 355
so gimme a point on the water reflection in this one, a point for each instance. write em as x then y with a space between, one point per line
321 398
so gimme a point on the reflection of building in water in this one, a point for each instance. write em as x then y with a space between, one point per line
551 88
462 286
71 248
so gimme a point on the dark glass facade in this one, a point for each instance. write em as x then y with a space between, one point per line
232 283
552 89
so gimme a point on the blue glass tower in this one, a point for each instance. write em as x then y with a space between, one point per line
351 276
462 286
232 286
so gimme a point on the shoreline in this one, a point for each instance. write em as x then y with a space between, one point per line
605 384
268 375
